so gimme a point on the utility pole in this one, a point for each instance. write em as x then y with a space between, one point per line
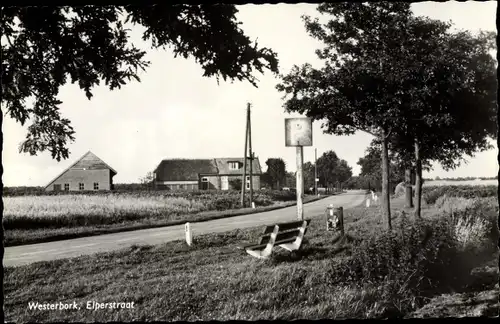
315 171
249 123
244 180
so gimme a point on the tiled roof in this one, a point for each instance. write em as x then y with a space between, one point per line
223 166
190 169
184 169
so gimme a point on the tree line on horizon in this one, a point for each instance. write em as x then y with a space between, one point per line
331 171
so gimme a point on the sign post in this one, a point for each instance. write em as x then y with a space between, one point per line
335 219
300 183
298 133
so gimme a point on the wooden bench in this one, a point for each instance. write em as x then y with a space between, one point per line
288 236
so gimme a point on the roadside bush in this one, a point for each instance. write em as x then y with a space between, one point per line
411 260
280 195
420 258
403 254
476 226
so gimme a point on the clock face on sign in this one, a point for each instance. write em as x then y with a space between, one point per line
298 132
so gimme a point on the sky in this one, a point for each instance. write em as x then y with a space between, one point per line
175 112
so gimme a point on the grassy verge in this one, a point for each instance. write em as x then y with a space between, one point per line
14 237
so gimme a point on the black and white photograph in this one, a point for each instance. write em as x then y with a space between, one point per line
249 161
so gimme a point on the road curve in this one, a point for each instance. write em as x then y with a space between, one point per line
25 254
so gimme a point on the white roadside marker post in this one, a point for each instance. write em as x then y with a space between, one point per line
189 234
367 202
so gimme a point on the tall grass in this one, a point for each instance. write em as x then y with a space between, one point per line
80 210
70 210
58 206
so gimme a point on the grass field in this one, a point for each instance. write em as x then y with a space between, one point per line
477 182
31 219
368 274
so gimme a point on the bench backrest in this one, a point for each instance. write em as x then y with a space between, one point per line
287 230
285 226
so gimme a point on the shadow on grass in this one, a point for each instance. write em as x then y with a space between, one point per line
338 247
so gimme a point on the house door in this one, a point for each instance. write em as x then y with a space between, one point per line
224 183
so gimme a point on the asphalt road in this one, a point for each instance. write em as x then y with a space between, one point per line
25 254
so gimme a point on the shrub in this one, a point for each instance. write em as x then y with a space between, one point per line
280 195
235 184
401 253
476 226
469 231
410 261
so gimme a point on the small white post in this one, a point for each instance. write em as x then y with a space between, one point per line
367 202
189 234
253 204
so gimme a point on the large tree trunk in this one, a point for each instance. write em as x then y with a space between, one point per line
418 180
386 205
408 189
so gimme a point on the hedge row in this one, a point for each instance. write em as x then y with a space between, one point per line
275 195
432 193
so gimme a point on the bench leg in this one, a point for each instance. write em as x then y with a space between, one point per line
264 254
290 246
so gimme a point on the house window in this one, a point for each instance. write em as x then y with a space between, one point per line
81 186
66 186
204 183
57 187
96 186
247 182
234 166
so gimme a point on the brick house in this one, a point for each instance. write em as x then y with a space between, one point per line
204 174
87 173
